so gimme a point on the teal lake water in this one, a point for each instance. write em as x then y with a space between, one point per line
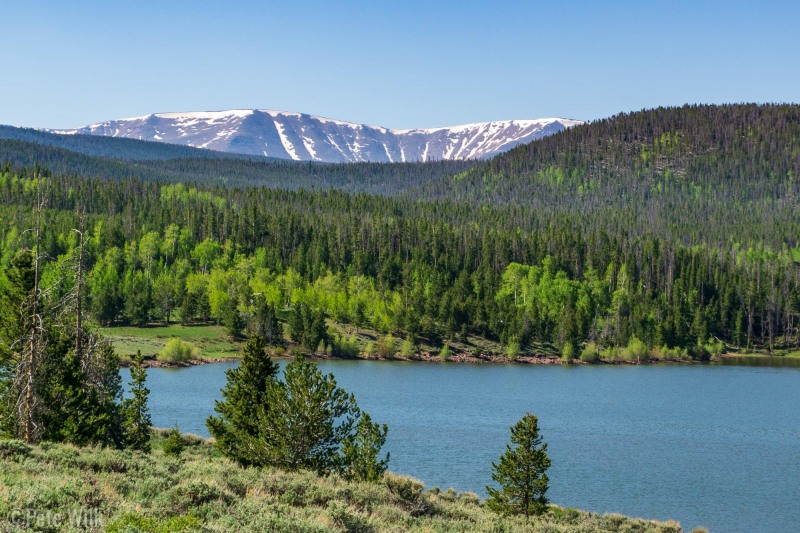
710 445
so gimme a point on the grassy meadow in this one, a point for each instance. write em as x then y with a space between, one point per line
57 487
212 340
214 343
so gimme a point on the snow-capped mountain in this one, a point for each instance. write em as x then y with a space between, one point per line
310 138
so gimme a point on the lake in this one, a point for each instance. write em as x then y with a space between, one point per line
710 445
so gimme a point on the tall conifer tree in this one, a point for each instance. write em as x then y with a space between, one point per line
521 472
137 413
243 395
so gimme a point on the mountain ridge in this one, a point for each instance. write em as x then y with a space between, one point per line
304 137
121 158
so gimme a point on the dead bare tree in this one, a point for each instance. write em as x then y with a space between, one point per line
79 293
31 345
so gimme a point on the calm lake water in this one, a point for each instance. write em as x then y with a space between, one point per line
715 445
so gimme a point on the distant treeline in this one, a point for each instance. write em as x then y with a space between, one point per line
117 158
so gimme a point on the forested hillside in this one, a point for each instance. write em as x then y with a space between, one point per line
113 148
662 233
755 148
433 269
699 175
87 155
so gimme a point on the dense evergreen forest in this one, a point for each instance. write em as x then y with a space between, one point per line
659 233
700 175
118 158
117 148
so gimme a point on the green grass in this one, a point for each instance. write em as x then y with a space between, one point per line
790 353
202 491
213 341
470 346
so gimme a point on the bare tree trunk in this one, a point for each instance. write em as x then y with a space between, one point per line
29 362
79 297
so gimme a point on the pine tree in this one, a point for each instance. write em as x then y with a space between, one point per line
264 322
361 451
173 445
16 290
58 382
307 326
137 414
521 472
188 307
243 396
232 318
72 416
304 421
104 383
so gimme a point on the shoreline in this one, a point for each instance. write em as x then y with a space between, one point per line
151 362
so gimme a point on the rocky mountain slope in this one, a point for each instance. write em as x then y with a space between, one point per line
305 137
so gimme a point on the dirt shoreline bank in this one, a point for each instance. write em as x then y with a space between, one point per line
429 358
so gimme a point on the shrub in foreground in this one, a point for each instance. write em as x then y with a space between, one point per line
13 449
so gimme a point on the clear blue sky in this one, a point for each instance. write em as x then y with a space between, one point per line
398 64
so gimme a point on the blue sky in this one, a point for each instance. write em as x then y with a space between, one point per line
398 64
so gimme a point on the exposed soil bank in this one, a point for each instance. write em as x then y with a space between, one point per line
152 362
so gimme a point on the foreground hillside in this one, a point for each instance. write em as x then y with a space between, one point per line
49 487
